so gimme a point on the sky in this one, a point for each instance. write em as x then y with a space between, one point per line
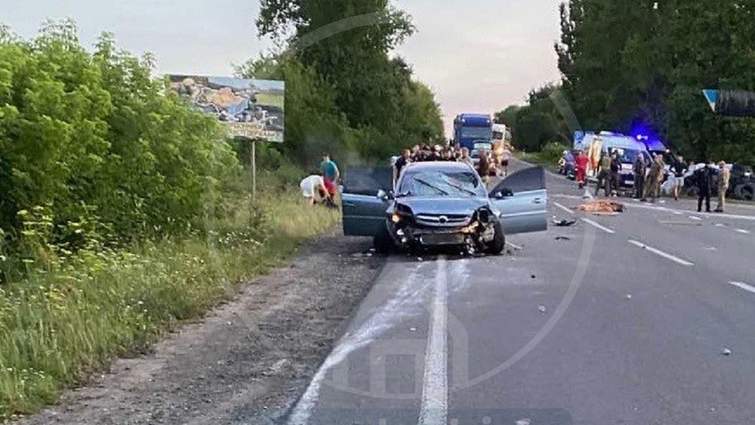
476 55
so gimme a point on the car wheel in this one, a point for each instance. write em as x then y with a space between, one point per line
746 192
382 242
496 246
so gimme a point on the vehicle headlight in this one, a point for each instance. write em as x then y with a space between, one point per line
396 218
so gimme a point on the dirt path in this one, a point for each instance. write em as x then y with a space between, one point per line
246 362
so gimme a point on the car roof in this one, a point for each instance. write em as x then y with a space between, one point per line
439 166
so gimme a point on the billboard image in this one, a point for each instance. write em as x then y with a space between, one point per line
252 109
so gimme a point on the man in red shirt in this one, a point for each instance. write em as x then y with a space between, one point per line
582 161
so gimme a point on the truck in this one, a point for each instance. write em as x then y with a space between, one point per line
473 131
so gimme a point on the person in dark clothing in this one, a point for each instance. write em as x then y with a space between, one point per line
604 175
615 169
640 170
704 180
679 169
400 163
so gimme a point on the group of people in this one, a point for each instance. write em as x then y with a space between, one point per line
491 162
322 188
650 174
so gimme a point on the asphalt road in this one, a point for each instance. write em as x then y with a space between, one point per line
628 320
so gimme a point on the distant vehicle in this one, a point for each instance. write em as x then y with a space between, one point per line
473 128
501 133
596 145
441 204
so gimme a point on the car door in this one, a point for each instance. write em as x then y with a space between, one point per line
363 210
522 200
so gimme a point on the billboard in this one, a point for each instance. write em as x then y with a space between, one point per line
252 109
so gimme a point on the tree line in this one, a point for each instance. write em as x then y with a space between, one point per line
629 65
346 93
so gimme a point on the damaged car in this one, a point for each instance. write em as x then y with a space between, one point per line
442 204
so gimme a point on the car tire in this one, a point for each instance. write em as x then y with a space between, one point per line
496 246
382 242
746 192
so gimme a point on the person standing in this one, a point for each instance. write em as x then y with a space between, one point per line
615 170
604 175
655 178
483 167
582 161
704 183
465 158
640 170
330 175
724 177
402 161
679 170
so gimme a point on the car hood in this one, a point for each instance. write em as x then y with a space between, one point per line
443 206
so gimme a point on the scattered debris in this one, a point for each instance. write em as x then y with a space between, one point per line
412 329
564 223
629 296
533 276
542 309
601 207
420 259
563 238
726 352
525 421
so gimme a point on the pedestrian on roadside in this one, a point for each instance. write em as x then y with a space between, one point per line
655 178
678 171
640 170
465 158
402 161
314 191
724 177
704 182
615 176
330 175
604 174
483 167
582 161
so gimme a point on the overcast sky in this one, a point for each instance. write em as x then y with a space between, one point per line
477 55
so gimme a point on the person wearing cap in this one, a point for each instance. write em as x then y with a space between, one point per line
724 176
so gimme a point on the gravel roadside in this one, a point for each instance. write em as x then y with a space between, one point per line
247 361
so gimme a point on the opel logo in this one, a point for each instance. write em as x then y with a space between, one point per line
443 219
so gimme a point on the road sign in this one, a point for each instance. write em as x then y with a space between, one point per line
712 97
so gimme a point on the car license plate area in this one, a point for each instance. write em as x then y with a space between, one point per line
442 239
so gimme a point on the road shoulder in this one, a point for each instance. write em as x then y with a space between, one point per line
248 360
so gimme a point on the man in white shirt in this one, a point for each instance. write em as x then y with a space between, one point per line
314 190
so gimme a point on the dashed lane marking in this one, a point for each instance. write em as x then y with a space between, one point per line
660 253
598 226
744 286
563 208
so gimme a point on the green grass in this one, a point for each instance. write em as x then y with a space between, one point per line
59 325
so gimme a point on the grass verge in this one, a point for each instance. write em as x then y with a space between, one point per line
58 326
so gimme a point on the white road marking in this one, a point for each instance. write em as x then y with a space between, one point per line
434 408
563 208
742 231
516 247
696 218
598 225
661 253
744 286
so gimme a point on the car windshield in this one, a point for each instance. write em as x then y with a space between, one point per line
442 183
476 133
628 156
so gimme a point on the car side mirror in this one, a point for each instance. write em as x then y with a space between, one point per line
384 196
